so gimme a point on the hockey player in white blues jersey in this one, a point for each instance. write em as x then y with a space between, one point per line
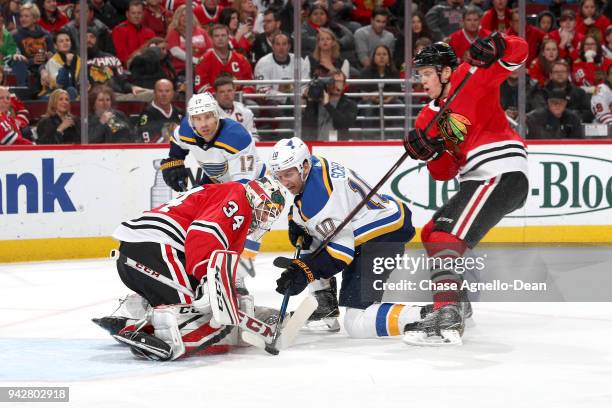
224 150
325 193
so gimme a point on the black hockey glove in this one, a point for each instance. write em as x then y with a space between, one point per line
295 232
485 51
295 277
175 174
421 147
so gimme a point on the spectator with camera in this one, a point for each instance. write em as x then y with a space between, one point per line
554 121
328 111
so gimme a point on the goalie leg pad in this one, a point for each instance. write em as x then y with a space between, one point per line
221 279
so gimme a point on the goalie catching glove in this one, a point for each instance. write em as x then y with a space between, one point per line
175 174
485 51
421 147
296 276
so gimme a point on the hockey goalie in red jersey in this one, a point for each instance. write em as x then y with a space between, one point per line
472 140
180 259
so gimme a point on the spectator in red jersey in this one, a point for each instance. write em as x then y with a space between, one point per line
546 21
362 11
566 37
462 39
540 68
200 41
156 17
129 35
221 59
533 35
590 21
9 130
587 70
18 111
498 17
238 33
51 18
208 13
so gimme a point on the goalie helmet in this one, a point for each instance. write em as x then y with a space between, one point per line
266 198
202 103
438 55
289 153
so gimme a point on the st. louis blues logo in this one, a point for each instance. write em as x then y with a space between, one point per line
453 126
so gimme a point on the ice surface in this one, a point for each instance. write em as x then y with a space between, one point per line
514 354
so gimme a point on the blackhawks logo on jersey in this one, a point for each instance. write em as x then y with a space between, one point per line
453 126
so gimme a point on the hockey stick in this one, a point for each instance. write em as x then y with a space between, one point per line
271 348
392 170
254 332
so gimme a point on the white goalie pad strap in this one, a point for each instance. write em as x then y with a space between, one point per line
318 284
221 277
164 321
133 306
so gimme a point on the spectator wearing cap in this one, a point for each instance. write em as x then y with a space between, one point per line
554 121
130 35
444 19
566 36
371 36
559 77
591 21
533 35
462 39
498 17
97 27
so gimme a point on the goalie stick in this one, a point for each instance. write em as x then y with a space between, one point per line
258 333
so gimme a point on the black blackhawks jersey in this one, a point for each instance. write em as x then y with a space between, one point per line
154 126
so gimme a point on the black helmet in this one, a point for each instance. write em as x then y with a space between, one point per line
437 55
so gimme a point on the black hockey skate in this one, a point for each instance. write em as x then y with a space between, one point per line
111 324
145 345
325 317
442 327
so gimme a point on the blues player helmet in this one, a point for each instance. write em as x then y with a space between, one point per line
438 55
265 196
202 103
289 153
